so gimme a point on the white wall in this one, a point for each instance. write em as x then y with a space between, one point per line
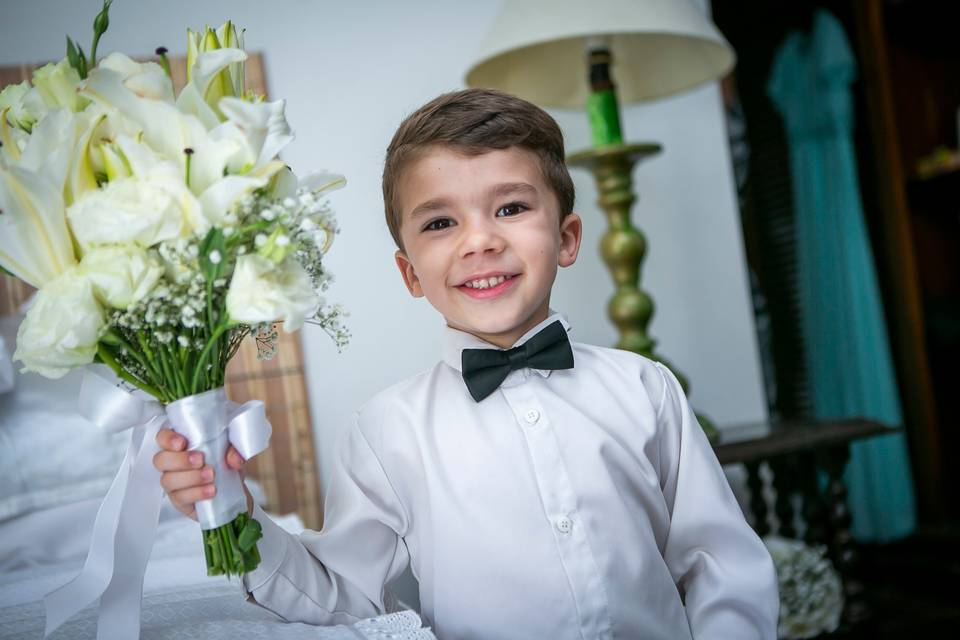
350 71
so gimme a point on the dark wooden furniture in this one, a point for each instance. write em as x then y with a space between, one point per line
806 459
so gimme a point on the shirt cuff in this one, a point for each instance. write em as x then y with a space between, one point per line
273 549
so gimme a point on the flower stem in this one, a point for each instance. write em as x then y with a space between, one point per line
140 358
150 358
201 362
122 373
179 376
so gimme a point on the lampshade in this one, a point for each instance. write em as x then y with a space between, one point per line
536 49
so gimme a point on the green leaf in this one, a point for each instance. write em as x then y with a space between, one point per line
213 255
249 535
73 57
83 62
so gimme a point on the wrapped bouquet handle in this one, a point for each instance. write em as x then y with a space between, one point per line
210 423
126 523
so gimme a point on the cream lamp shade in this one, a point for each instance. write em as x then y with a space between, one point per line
536 49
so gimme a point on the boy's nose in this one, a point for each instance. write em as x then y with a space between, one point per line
481 238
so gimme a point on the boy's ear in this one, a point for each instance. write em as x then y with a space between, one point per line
408 274
571 232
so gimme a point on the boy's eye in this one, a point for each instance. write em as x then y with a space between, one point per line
438 224
511 209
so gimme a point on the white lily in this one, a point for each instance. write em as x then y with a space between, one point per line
49 148
230 38
214 70
91 163
323 182
83 174
215 156
176 135
263 123
284 183
209 82
35 243
220 197
140 159
222 151
164 128
147 79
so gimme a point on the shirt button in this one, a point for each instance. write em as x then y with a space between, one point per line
532 416
564 525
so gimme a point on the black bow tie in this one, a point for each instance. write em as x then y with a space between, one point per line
485 369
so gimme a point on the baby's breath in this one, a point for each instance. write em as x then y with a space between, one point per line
175 323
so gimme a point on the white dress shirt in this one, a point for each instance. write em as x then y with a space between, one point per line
582 503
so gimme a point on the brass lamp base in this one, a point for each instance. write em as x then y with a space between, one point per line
623 247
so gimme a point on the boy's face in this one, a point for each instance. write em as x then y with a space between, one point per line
482 239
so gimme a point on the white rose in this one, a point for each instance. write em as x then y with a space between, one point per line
121 275
62 327
261 291
57 84
25 104
143 211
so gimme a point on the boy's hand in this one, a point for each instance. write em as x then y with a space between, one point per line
185 477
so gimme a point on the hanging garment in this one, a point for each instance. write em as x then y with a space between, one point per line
846 347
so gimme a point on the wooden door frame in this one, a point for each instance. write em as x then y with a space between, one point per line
898 262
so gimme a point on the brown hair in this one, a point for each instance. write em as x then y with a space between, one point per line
474 121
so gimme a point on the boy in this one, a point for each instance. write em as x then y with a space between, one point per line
539 489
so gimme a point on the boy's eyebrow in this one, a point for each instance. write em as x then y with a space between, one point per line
433 204
507 188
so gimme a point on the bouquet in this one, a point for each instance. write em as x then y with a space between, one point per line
161 230
811 594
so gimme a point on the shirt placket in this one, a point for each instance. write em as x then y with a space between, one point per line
560 505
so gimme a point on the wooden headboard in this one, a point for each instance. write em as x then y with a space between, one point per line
288 469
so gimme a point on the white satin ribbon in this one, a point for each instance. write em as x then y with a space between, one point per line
210 423
126 523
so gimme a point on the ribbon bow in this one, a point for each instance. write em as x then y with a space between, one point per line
484 369
126 522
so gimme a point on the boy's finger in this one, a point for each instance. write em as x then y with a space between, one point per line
170 440
177 460
176 480
186 498
234 459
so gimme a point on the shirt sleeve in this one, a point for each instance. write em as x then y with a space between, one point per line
338 575
719 563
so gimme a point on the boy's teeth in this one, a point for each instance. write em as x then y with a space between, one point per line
485 283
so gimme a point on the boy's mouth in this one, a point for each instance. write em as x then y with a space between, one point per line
488 286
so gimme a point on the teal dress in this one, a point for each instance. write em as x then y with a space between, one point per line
845 337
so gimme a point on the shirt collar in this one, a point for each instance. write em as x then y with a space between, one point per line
455 341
